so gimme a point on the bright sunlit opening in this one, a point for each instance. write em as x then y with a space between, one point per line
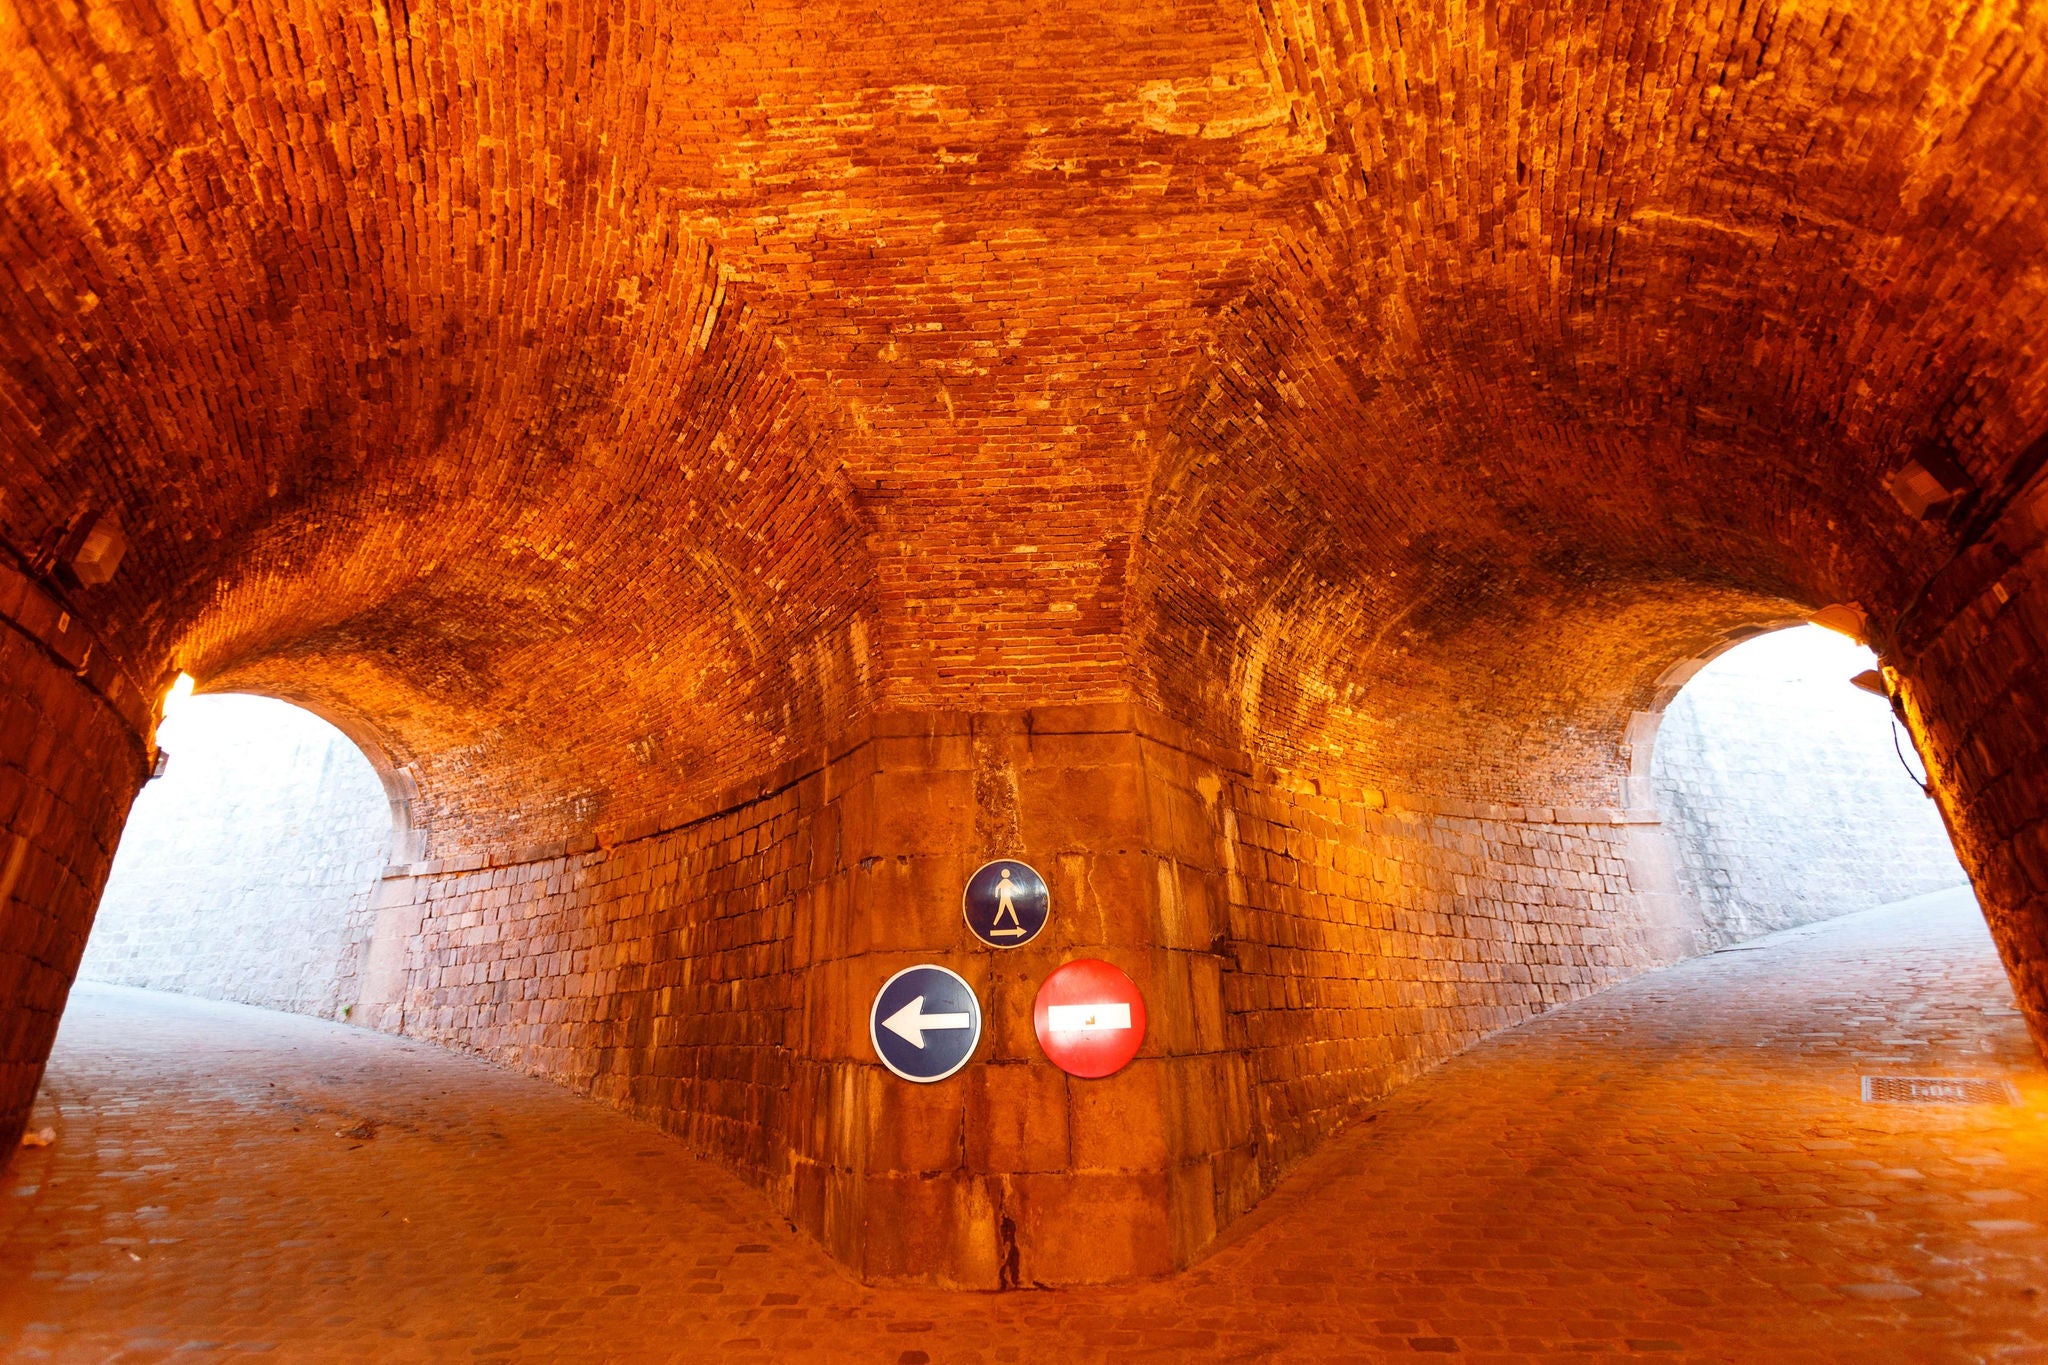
180 690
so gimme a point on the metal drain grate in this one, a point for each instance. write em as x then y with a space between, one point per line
1936 1090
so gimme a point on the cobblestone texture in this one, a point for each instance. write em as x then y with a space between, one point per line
612 409
1971 656
1679 1168
1783 791
245 872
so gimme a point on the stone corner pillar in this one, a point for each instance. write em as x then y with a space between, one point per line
398 905
1011 1172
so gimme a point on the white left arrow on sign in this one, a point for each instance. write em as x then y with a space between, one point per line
910 1022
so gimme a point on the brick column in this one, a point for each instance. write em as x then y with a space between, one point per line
71 761
1972 663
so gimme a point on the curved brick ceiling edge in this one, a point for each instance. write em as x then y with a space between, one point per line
602 408
1609 327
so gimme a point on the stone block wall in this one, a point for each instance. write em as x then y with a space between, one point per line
652 974
715 978
246 871
1300 956
1784 795
70 761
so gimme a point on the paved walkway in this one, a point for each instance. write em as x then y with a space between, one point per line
1681 1169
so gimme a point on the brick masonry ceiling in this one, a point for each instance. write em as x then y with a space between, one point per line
598 402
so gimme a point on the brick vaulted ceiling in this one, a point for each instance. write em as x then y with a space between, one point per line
604 401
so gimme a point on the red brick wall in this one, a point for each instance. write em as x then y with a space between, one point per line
1387 394
654 974
1371 943
1972 658
70 763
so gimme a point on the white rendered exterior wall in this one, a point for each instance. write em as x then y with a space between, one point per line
1782 793
246 870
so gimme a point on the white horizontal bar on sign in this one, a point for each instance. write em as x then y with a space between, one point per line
1088 1018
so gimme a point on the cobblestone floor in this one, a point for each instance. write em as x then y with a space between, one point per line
1681 1168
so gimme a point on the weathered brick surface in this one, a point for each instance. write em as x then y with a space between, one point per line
70 763
1973 655
1290 364
1372 944
655 975
604 407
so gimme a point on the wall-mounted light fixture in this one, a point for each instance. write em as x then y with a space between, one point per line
99 550
1928 482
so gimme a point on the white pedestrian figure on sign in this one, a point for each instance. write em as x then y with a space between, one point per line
1006 904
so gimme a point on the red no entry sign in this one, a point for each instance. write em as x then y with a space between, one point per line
1090 1018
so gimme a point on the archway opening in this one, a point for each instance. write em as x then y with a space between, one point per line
1789 794
248 870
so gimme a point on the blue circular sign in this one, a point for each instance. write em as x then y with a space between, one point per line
1006 903
925 1023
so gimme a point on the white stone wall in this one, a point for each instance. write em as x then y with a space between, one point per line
1785 801
246 871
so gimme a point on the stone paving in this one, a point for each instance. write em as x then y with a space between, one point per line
1681 1168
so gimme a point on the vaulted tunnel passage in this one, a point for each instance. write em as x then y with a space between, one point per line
735 473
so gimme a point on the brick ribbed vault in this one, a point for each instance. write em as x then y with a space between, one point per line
603 405
1606 331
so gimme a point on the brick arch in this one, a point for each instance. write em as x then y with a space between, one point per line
387 452
1475 381
660 565
1639 740
1332 572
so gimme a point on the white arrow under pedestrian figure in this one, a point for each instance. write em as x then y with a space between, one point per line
910 1022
